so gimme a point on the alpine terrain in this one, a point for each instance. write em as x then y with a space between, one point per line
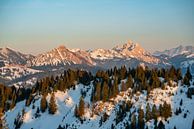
125 87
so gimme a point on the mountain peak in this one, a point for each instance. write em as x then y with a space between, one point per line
6 49
129 46
129 42
176 51
61 47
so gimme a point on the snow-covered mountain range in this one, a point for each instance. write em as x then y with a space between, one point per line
61 55
97 57
176 51
10 56
21 72
181 56
129 54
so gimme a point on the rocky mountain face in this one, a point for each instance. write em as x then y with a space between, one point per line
10 56
181 56
180 50
61 55
130 54
125 51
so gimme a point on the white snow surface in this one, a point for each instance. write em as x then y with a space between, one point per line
66 102
15 71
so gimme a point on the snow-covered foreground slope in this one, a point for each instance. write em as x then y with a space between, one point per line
66 102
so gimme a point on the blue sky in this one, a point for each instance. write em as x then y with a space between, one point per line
34 26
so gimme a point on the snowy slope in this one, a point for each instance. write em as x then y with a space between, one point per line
125 51
10 56
15 71
66 102
176 51
60 55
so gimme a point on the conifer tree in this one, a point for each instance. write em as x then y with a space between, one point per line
123 72
76 111
105 92
43 103
37 114
186 81
192 125
179 74
166 110
148 112
188 74
155 113
81 106
133 121
29 100
141 122
129 83
181 102
97 92
115 87
187 78
161 125
52 104
123 87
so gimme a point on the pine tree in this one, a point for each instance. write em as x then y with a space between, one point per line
19 119
100 121
43 103
133 121
76 111
192 125
105 92
127 126
52 104
29 100
179 74
129 83
166 110
123 87
155 113
141 122
115 87
3 122
181 102
97 92
161 125
60 127
155 124
148 112
37 114
105 117
187 78
112 126
188 74
81 106
186 81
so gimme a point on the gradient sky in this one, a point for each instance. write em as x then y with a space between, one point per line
34 26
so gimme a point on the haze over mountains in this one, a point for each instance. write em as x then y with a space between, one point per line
130 54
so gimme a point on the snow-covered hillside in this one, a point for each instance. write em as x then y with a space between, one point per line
176 51
10 56
66 102
11 72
